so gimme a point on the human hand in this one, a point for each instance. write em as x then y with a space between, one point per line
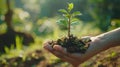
97 44
75 58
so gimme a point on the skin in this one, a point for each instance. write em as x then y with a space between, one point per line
98 44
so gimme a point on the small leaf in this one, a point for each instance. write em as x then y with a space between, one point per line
63 11
70 6
66 15
7 50
75 23
77 13
113 54
62 22
74 19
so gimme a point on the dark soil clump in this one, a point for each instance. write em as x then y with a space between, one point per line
72 44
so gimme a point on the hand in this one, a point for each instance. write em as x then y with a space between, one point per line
98 43
75 58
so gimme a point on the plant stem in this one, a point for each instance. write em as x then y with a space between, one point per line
69 21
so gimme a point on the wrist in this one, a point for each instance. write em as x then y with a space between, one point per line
98 44
104 42
111 38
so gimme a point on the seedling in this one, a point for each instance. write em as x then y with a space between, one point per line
71 43
69 17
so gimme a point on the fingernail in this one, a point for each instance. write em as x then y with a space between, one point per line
48 47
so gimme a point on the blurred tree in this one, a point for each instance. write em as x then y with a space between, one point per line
9 38
50 8
104 12
31 6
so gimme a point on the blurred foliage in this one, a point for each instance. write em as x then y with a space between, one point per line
26 13
39 18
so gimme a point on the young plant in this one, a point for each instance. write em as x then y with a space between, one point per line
71 43
69 17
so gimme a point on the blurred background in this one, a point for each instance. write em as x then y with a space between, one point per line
26 24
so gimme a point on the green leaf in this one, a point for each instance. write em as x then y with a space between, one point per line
74 19
63 11
6 49
77 13
75 23
66 15
113 54
70 6
62 22
18 43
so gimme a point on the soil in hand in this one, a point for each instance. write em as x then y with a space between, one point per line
72 44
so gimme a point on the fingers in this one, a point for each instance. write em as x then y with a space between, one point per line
59 52
66 56
86 39
60 49
48 47
63 57
57 48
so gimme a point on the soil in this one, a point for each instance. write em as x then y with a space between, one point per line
72 44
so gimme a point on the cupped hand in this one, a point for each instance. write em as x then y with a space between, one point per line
97 44
73 58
